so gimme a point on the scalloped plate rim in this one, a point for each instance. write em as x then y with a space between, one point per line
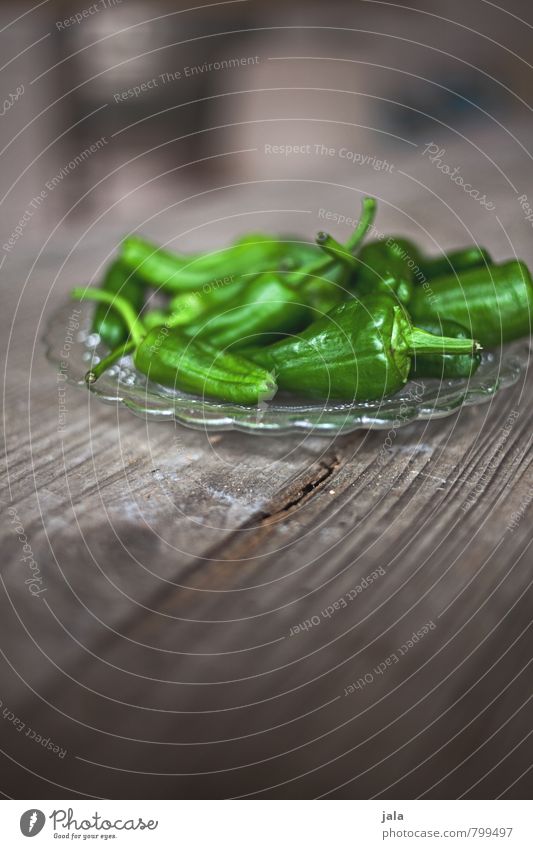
465 397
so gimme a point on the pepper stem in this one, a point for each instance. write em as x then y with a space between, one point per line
421 342
318 267
134 324
335 250
368 214
96 372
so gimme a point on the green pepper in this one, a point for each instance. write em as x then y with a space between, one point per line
131 319
296 253
268 305
445 366
213 298
268 241
182 310
321 298
108 323
189 307
455 262
405 248
494 304
176 274
272 305
155 318
424 268
361 351
287 252
194 366
167 357
383 268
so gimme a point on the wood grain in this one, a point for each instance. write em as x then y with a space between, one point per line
177 564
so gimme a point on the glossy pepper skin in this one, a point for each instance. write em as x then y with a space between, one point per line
428 267
455 262
405 248
274 304
384 269
175 274
166 356
189 308
107 322
361 351
173 360
445 366
268 305
495 305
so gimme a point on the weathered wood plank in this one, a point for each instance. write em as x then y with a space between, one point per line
161 657
442 564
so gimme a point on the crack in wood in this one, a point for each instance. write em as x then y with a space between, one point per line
248 536
297 495
209 571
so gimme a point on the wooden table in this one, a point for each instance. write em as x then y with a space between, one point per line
224 615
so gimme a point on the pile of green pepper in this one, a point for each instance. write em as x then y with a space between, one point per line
348 321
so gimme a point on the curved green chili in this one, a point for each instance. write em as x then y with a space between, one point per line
106 362
168 357
360 351
455 262
171 273
108 323
133 322
384 269
175 361
495 305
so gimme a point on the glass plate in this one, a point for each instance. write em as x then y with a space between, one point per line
71 347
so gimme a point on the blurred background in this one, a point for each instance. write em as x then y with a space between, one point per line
179 100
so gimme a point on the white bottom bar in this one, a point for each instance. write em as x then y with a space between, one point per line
267 824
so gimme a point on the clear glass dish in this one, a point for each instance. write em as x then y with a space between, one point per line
122 384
